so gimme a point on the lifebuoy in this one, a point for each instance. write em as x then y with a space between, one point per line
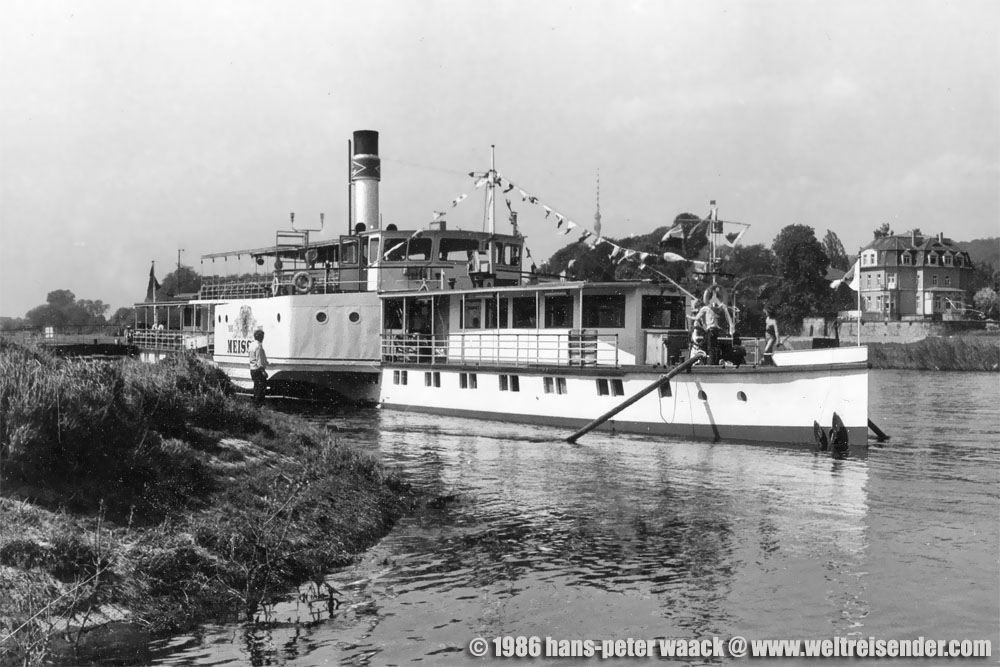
311 256
302 282
275 286
715 292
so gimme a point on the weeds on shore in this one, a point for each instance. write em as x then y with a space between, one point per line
159 498
110 431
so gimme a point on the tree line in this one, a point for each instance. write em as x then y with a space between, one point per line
790 277
63 311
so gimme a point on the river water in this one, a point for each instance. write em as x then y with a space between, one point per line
617 537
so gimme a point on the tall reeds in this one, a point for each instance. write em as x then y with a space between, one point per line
211 506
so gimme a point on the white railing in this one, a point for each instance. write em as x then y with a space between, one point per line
169 341
500 348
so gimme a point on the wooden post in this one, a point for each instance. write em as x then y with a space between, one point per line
663 379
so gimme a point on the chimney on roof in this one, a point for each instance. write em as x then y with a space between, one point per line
915 237
941 237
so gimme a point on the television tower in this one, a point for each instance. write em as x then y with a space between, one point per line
597 216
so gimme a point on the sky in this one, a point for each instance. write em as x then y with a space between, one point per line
140 132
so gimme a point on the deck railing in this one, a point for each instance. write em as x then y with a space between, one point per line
501 348
320 281
170 341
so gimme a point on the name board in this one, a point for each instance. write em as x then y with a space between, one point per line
238 345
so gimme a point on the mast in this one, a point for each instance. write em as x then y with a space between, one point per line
491 204
714 226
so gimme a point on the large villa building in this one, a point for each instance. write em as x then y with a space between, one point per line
912 275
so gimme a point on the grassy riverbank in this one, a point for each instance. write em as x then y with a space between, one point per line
150 494
954 353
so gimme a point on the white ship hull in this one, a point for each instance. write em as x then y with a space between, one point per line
774 404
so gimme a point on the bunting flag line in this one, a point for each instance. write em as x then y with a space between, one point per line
675 238
850 278
675 232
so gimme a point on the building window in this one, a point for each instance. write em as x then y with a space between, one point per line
432 379
934 280
907 259
662 312
558 312
510 383
868 280
604 310
554 385
473 314
524 312
467 380
948 260
891 280
947 281
932 259
617 388
602 388
878 279
399 377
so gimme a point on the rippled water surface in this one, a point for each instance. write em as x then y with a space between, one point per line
619 537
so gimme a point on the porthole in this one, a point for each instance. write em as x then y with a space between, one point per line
354 317
741 396
702 395
227 319
279 317
321 317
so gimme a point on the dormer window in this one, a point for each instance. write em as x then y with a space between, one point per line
947 260
932 259
907 259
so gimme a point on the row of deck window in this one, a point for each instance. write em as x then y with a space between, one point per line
556 311
551 385
509 382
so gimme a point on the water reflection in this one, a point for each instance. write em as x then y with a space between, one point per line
619 537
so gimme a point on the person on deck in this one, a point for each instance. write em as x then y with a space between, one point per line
258 367
770 337
709 318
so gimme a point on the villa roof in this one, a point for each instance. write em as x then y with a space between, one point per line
889 247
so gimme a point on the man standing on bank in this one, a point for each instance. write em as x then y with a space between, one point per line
258 367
